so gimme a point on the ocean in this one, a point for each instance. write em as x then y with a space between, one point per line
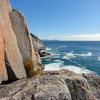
77 56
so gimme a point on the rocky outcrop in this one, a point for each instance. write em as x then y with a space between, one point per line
13 55
17 51
25 45
44 53
94 82
21 31
65 86
39 46
37 43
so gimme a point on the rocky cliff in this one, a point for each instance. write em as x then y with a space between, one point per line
37 43
17 51
39 46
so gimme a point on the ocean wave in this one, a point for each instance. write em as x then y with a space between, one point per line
69 56
55 54
52 66
48 49
72 55
77 69
59 66
85 55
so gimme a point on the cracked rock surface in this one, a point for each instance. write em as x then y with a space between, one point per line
53 87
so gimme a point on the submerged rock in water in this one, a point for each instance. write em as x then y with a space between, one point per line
44 53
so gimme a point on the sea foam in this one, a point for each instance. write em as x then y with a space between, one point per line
72 55
59 66
85 54
48 49
69 56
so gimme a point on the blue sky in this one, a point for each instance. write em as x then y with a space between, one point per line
62 19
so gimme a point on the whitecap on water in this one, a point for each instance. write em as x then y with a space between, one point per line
52 66
69 56
77 69
85 54
72 55
54 54
48 49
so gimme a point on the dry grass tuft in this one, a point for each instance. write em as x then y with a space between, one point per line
31 68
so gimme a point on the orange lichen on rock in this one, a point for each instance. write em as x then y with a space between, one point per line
16 47
3 72
13 55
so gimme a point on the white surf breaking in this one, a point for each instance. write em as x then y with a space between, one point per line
71 55
85 55
48 49
59 66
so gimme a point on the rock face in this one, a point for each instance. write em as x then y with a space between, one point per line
69 86
37 43
22 33
12 52
3 71
25 45
17 51
39 46
94 82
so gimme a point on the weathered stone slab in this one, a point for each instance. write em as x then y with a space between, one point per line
53 87
12 52
30 56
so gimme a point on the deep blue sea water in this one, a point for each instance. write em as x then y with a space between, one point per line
77 56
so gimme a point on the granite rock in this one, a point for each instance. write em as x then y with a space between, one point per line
23 36
3 71
12 53
65 86
39 46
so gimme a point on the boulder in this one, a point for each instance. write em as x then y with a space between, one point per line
31 59
44 53
13 55
37 88
65 86
94 82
